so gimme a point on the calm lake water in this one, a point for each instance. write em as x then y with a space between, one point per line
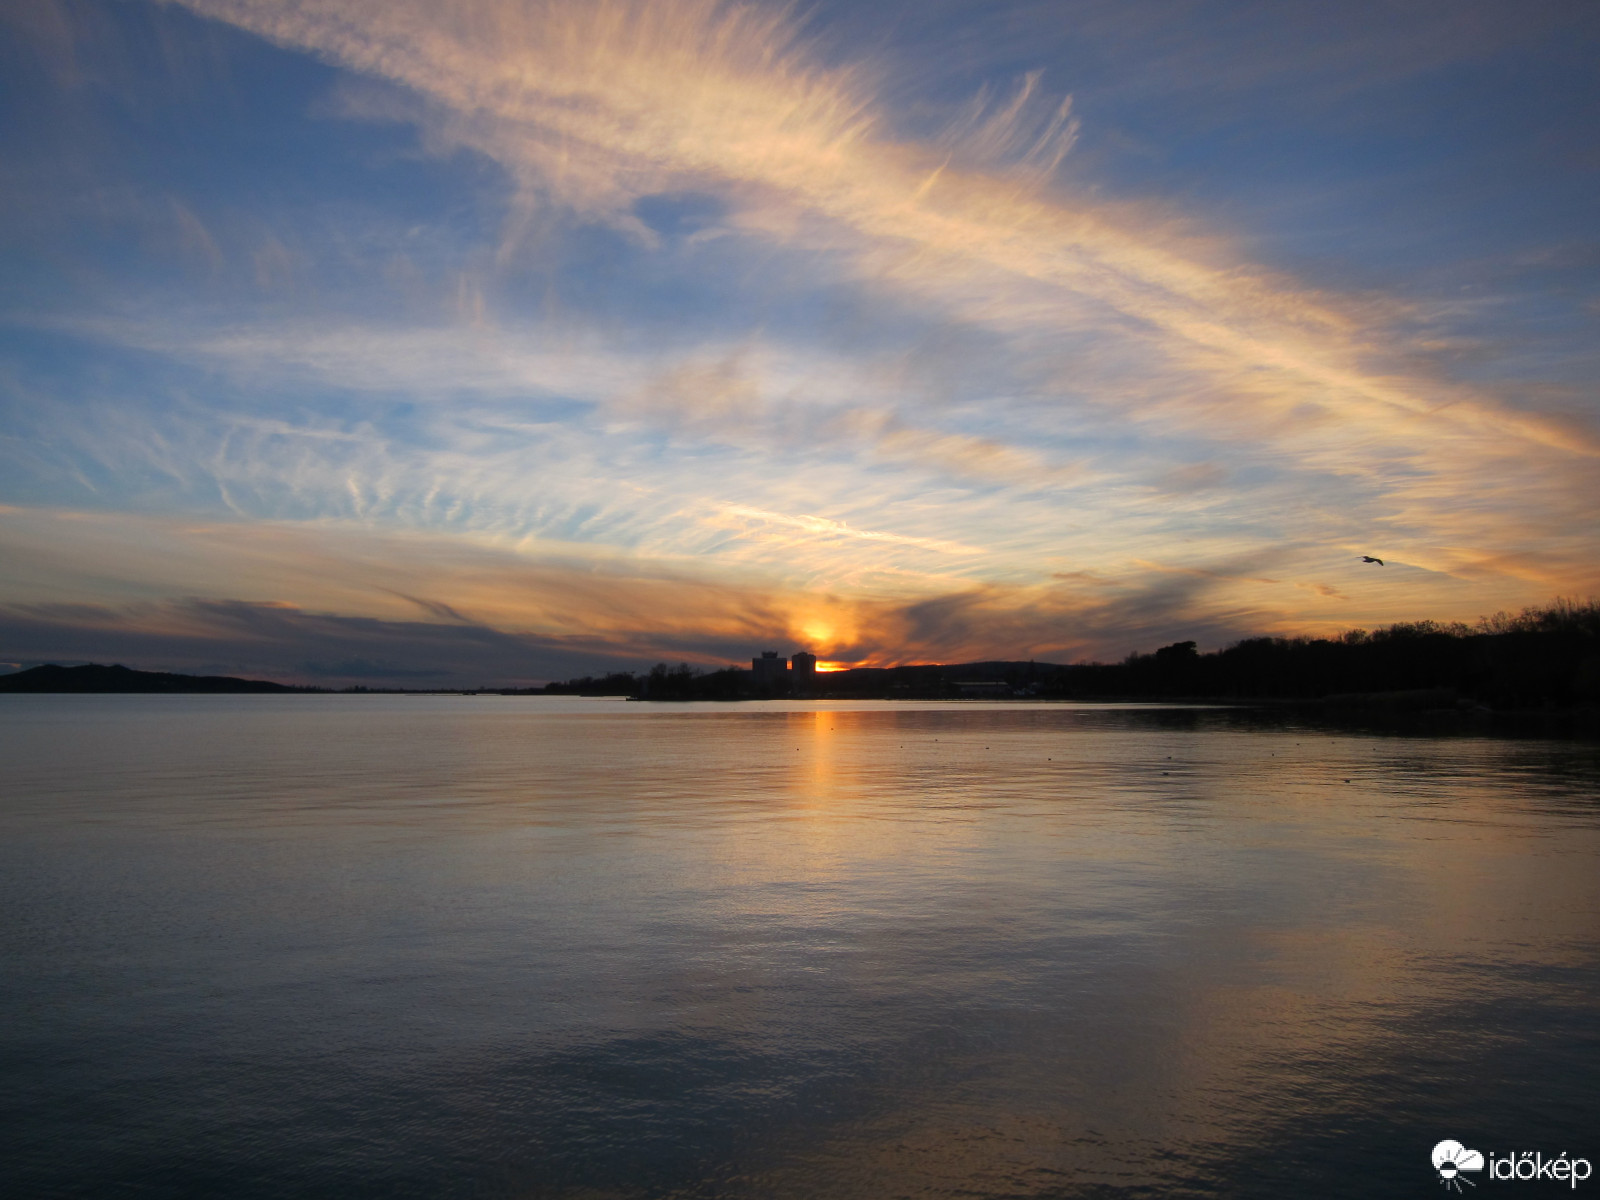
378 946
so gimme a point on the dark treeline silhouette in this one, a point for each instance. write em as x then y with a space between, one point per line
1541 658
1545 657
618 683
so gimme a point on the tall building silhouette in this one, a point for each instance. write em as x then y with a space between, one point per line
769 669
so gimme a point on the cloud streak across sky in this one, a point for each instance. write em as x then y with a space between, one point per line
681 329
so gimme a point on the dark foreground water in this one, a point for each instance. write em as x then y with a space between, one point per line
493 947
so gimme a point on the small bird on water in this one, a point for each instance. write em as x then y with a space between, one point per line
1369 558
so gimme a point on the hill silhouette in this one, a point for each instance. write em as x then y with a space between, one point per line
93 677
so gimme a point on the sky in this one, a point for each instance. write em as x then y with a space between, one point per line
457 342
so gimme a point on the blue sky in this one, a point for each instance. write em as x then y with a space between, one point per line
497 342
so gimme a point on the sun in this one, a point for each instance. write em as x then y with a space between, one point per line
818 633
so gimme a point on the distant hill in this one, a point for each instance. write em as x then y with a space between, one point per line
97 678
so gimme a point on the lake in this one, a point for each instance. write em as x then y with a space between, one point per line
393 946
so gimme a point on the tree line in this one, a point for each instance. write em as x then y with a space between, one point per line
1542 657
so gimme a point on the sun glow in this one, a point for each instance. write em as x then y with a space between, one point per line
767 334
816 632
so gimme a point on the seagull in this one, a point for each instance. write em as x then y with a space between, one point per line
1369 558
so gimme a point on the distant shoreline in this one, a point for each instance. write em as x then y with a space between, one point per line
1538 667
97 679
1417 710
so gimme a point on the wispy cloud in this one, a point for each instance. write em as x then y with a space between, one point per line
272 597
728 322
594 105
824 527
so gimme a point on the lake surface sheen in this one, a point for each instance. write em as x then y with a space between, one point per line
336 946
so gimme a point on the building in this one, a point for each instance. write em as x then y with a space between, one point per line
803 670
769 670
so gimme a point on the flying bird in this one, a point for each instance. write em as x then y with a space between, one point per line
1369 558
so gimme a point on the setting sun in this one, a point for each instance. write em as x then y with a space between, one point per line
957 598
817 633
1065 405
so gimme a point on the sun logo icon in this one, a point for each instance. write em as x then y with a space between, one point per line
1450 1158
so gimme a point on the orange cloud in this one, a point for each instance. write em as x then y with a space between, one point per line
276 586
